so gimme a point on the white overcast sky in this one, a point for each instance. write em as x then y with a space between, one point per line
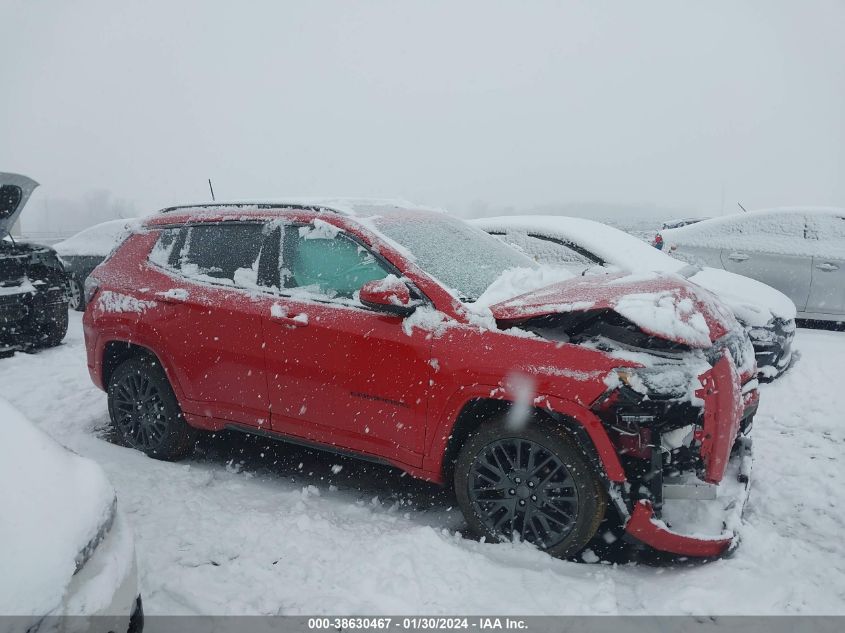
446 103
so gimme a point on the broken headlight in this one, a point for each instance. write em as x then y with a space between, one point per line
666 382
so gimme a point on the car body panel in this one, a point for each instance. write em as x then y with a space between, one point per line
781 247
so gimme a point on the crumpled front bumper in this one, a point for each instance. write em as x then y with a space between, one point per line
698 519
701 517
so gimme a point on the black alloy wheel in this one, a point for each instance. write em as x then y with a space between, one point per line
531 484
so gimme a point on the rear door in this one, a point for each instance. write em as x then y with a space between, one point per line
770 248
340 373
826 236
208 306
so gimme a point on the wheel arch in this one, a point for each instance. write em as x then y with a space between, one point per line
580 423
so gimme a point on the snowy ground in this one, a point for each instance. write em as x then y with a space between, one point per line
249 528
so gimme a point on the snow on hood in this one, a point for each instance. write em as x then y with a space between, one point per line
98 240
52 503
753 302
666 306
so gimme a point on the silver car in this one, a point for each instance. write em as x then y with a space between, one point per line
799 251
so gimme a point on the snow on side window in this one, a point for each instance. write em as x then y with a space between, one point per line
548 251
223 253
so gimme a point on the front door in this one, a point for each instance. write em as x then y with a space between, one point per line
340 373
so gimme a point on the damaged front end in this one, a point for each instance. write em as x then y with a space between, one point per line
679 421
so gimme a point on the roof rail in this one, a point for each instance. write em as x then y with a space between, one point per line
217 206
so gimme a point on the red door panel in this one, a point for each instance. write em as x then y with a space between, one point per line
348 376
214 340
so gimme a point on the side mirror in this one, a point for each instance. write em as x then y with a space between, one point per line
387 295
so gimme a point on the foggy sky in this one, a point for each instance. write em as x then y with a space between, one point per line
474 106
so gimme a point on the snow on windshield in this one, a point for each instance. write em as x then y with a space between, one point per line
461 257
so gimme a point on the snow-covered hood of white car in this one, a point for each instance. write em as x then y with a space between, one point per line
52 503
753 302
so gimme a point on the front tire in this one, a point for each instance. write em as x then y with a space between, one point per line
530 484
144 410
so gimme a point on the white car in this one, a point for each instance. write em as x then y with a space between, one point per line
65 548
799 251
586 246
83 252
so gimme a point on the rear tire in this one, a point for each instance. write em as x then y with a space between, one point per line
145 413
49 333
530 484
76 294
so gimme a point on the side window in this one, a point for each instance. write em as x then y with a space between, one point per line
327 263
547 251
226 253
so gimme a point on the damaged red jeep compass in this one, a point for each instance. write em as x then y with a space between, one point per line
408 337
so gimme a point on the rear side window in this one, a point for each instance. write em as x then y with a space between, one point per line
325 263
225 254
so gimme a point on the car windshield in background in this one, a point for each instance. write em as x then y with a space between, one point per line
460 256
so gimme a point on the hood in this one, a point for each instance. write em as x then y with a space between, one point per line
14 192
665 306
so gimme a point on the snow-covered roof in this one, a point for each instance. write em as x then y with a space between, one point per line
95 240
801 231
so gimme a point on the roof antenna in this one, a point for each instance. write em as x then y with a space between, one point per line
212 190
740 206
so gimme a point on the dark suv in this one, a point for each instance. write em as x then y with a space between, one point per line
33 284
409 337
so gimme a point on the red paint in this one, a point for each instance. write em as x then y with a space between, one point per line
723 406
644 528
347 376
605 292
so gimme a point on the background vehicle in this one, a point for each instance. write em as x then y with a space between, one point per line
581 245
84 251
65 546
410 337
674 224
33 286
799 251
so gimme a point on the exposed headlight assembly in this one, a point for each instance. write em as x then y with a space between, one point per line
88 551
660 383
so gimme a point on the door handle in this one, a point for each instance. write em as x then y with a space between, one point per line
827 267
738 257
279 315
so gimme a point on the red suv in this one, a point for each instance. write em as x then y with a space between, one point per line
380 331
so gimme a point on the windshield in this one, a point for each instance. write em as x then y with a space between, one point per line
462 257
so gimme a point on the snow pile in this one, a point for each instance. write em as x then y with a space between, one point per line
666 313
52 503
517 281
97 240
753 302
